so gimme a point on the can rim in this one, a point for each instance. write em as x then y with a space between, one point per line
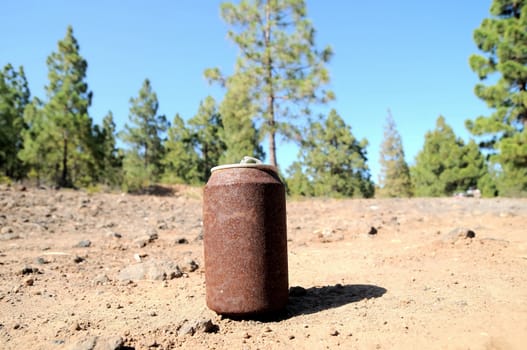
246 165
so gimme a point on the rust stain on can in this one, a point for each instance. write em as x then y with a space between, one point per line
245 241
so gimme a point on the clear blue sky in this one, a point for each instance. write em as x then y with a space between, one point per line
410 56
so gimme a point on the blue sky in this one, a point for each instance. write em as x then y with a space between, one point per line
409 56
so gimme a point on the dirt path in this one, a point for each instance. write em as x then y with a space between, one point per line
113 271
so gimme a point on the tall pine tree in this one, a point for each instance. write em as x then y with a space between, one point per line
446 165
332 162
14 96
278 55
394 179
60 137
142 163
67 107
503 40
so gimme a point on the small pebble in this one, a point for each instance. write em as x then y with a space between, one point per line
246 335
28 270
115 235
84 243
189 265
152 343
41 261
114 343
100 279
152 235
206 326
6 230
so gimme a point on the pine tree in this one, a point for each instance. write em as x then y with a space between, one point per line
279 57
239 133
395 175
473 169
67 107
206 126
181 161
40 153
445 165
503 40
331 162
298 183
107 155
142 162
14 96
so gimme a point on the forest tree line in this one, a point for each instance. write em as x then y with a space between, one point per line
279 74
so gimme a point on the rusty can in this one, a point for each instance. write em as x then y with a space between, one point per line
245 240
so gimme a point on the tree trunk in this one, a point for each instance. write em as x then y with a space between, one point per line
145 163
64 176
206 160
269 83
272 145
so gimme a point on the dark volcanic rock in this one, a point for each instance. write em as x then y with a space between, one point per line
27 270
77 259
181 241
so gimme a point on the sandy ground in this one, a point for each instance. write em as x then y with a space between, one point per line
116 271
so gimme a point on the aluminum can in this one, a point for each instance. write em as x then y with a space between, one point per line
245 240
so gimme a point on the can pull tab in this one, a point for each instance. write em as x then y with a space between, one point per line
250 160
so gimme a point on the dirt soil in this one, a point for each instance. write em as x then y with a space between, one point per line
118 271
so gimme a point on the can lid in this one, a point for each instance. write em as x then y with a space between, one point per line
247 162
